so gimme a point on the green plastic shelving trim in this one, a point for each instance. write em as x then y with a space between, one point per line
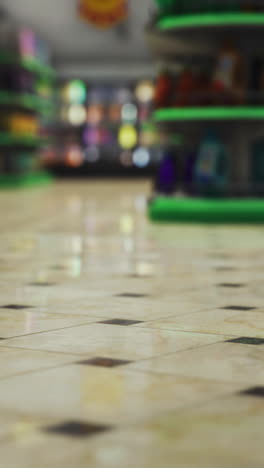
208 113
191 210
27 101
11 181
30 64
211 19
8 139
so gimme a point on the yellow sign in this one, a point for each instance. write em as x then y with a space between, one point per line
103 13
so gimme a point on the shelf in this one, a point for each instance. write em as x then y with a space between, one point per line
208 113
30 64
27 101
190 210
217 19
7 139
11 181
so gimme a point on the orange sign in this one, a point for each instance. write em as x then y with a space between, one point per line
103 13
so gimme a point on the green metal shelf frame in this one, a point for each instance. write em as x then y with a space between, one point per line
208 113
27 101
209 211
30 64
8 139
170 22
13 181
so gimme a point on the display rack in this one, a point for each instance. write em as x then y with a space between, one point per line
176 37
27 106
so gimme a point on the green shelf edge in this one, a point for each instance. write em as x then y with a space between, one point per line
11 181
208 211
170 22
31 65
7 139
208 113
27 101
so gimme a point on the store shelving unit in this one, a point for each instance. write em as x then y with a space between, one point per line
215 20
173 38
30 64
209 113
21 102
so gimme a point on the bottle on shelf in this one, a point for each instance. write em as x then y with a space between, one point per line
211 174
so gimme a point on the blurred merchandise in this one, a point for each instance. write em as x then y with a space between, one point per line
27 87
211 91
104 128
211 172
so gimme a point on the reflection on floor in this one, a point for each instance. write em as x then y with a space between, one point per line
125 344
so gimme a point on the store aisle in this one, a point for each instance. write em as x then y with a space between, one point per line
126 344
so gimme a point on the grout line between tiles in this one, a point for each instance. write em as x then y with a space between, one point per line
47 331
186 331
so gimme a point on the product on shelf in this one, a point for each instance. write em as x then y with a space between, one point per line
164 89
211 170
166 179
229 84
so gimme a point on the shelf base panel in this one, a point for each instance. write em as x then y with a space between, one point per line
209 211
11 181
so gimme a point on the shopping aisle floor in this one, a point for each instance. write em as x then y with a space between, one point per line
126 344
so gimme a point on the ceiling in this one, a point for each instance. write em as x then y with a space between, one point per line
75 43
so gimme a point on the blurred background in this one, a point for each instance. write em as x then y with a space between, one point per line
76 90
134 88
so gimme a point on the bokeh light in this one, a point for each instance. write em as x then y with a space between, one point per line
145 91
129 113
127 136
114 112
95 114
141 157
75 92
91 136
77 114
74 156
148 135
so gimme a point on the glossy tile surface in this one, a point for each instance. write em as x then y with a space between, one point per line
123 343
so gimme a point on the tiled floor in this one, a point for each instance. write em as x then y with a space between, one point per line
126 344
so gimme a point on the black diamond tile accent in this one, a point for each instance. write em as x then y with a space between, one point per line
239 308
248 341
132 295
103 362
76 429
254 391
121 322
231 285
16 307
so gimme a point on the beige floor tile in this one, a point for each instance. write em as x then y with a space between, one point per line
223 433
111 396
114 341
178 404
215 321
222 361
19 323
15 361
